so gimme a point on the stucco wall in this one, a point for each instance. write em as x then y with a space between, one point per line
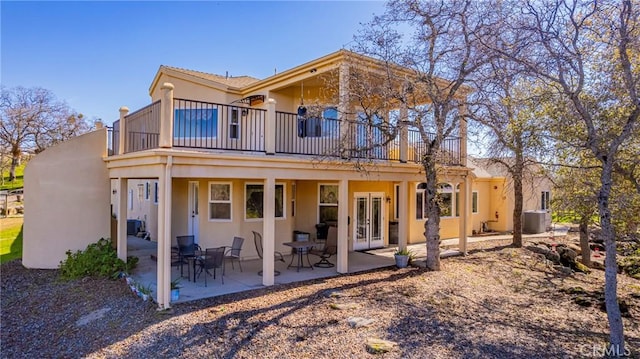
192 91
220 233
66 200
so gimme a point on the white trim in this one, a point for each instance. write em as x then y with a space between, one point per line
396 201
293 199
545 200
130 199
155 192
210 201
477 195
194 204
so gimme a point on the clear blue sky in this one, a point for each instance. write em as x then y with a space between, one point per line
98 56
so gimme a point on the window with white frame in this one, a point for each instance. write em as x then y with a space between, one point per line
327 203
545 201
254 200
474 202
140 192
220 201
326 125
445 199
421 198
234 122
155 193
147 190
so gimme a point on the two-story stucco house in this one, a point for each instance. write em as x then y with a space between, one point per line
218 156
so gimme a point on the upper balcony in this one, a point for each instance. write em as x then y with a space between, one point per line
212 126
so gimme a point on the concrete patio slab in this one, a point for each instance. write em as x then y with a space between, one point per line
234 280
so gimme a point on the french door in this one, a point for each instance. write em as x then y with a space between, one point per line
368 229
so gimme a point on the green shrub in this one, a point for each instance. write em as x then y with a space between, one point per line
99 259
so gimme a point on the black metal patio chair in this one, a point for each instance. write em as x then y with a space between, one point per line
213 259
257 239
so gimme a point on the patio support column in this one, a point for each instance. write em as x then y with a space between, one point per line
122 134
161 288
404 133
268 231
164 236
122 218
403 215
343 232
166 116
270 128
463 210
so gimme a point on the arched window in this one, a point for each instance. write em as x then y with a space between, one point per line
445 199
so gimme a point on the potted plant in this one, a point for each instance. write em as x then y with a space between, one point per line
145 292
175 289
403 257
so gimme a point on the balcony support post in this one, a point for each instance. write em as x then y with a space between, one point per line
122 130
166 116
462 111
464 214
344 109
270 128
404 133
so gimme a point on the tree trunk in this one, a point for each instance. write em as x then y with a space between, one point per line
432 225
517 207
15 162
584 241
616 334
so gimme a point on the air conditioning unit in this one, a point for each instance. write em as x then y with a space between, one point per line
534 222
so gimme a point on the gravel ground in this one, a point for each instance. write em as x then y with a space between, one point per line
498 302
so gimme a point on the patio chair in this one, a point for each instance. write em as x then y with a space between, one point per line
330 248
234 252
186 248
257 239
213 259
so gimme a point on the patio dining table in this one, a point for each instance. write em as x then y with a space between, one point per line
302 248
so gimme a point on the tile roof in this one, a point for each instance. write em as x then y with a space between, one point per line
233 81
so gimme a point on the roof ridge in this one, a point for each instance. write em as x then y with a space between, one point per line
207 73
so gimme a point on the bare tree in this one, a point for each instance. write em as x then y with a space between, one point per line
587 54
32 119
507 105
441 53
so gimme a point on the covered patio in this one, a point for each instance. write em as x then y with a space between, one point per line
234 280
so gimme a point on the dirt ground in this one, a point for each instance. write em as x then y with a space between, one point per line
497 302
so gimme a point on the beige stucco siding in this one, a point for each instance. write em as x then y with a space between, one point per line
193 91
66 200
220 233
482 187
